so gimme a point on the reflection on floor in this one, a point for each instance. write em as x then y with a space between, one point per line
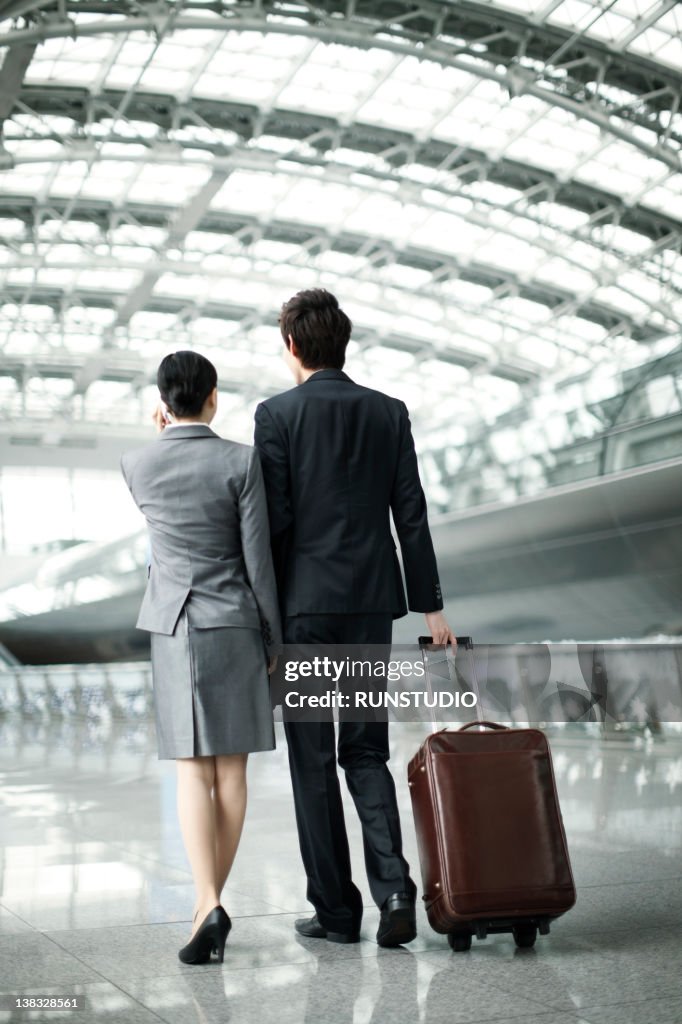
96 897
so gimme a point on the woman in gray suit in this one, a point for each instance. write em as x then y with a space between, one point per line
211 608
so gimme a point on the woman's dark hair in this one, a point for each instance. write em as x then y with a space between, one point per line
185 380
318 326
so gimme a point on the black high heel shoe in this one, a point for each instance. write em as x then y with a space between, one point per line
210 937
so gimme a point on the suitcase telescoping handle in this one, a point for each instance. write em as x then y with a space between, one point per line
462 641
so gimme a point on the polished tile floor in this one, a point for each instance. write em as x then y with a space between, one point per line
96 897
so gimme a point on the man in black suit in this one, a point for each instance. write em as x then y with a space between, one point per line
337 460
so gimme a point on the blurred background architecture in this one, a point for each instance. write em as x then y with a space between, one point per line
492 189
494 192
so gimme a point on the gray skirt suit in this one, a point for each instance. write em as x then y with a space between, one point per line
211 601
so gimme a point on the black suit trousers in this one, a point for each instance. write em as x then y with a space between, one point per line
363 753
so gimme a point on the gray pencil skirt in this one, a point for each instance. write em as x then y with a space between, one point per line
211 691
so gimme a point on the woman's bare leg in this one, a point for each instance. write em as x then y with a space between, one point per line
196 777
230 808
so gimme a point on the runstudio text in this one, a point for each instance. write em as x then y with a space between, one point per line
362 699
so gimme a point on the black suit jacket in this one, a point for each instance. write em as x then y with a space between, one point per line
337 459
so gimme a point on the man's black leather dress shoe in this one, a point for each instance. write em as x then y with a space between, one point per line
398 922
312 929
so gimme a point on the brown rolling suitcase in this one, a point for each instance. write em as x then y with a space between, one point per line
490 835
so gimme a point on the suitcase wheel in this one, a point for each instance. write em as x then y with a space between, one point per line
460 942
525 935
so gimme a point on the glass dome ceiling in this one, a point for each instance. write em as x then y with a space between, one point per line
493 191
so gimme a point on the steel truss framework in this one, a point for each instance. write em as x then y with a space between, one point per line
496 191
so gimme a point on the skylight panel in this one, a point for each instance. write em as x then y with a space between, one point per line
505 392
476 333
340 263
620 300
523 227
453 204
213 329
11 227
536 350
356 158
556 141
370 316
105 392
243 292
108 279
671 21
558 272
205 134
21 342
465 291
175 183
447 233
185 285
152 350
38 124
660 46
522 309
62 179
279 252
387 218
620 168
588 257
259 44
414 95
578 326
71 230
240 87
165 80
667 197
134 234
645 288
30 312
250 65
574 14
504 251
319 202
405 277
491 192
344 85
207 242
135 255
388 358
108 179
563 217
448 375
69 60
136 51
32 149
251 192
622 239
610 26
183 50
86 318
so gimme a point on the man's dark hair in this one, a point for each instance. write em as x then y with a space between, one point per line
318 326
185 380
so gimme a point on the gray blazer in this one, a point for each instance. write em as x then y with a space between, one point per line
204 502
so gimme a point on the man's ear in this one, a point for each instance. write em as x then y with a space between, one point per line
293 348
